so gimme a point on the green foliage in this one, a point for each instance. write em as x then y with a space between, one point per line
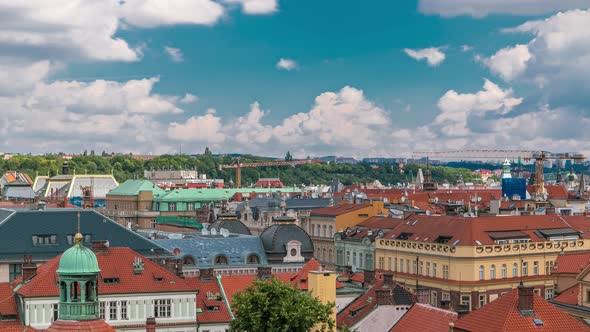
276 306
125 167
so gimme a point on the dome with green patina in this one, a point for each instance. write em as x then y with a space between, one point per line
78 260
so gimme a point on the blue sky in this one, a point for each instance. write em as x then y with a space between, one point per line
378 78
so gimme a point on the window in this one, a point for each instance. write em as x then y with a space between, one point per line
331 231
354 259
466 301
445 272
162 308
395 265
101 310
514 270
548 293
154 223
482 300
324 231
381 262
548 265
348 258
434 270
525 269
191 207
401 265
493 271
587 296
407 266
15 271
110 280
44 239
428 269
536 268
360 259
504 272
171 206
220 260
363 215
481 276
421 268
434 299
389 264
446 296
414 267
319 230
537 291
253 259
113 310
55 312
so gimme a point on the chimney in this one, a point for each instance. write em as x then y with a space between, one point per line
206 275
388 279
369 276
525 298
100 247
384 297
264 272
150 324
29 268
65 168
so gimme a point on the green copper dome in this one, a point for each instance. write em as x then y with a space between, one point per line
78 260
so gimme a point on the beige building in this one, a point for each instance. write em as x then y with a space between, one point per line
468 262
324 223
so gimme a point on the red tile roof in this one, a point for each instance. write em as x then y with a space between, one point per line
7 300
569 296
115 263
97 325
571 263
555 191
468 230
423 317
208 291
503 315
15 326
337 210
380 223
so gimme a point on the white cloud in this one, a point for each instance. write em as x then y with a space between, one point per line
175 54
189 98
256 7
152 13
466 48
433 55
456 108
509 62
286 64
479 9
16 76
203 128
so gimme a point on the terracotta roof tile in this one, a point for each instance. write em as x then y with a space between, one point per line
337 210
205 298
15 326
7 300
380 223
571 263
423 317
569 296
115 263
503 315
97 325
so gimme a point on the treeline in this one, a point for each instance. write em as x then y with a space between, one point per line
125 167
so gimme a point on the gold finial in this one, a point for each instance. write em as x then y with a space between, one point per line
78 237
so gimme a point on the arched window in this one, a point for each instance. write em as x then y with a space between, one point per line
253 259
525 269
324 257
188 260
89 293
330 259
220 260
481 272
331 231
514 270
324 231
319 230
493 271
504 272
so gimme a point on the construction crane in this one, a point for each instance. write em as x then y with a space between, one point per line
239 165
539 157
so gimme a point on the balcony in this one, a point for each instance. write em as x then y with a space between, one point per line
78 311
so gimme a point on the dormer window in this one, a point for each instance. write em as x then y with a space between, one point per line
404 236
443 239
110 280
293 252
220 260
253 259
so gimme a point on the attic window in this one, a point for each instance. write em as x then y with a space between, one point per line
538 322
443 239
44 239
404 236
158 279
456 242
221 260
110 280
213 308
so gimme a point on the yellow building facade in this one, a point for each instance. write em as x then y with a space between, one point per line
322 284
459 267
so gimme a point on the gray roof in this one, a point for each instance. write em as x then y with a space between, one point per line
203 249
232 225
17 228
276 236
19 192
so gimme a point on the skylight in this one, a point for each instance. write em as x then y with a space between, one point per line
456 242
538 322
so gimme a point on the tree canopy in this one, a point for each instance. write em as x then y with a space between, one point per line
274 306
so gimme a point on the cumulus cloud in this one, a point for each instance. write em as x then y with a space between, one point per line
433 55
202 128
152 13
175 54
256 7
189 98
479 9
466 48
509 62
456 108
286 64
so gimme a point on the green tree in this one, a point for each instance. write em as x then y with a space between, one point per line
273 305
288 156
